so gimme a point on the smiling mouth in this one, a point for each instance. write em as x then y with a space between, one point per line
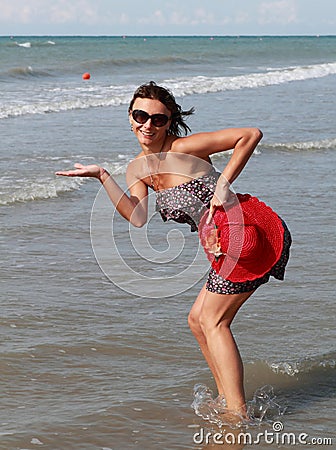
146 134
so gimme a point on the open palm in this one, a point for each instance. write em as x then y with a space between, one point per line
81 171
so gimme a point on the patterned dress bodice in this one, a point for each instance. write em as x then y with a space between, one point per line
187 202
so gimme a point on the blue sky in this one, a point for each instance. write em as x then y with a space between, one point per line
173 17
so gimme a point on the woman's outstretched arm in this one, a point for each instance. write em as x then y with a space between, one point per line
133 207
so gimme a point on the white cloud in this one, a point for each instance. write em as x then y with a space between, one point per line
11 12
39 11
156 18
242 17
178 18
181 17
124 19
202 16
278 12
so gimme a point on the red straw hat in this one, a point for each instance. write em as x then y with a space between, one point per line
243 242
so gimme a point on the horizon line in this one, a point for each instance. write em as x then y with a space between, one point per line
124 35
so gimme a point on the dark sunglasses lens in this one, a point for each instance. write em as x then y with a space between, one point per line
159 120
140 116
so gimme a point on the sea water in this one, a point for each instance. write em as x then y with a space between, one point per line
96 351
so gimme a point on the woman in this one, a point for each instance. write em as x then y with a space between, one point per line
179 169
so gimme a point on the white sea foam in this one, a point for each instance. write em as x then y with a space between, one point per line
38 190
23 44
202 85
57 99
305 365
323 144
32 188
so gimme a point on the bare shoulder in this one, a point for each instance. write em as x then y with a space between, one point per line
135 169
183 144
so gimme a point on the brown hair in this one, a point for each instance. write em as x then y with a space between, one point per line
155 92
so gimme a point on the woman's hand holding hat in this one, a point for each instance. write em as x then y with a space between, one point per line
223 197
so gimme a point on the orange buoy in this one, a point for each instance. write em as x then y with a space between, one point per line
86 76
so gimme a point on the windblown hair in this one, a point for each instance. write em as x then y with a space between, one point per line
153 91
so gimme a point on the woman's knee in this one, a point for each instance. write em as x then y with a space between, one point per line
209 324
193 322
218 311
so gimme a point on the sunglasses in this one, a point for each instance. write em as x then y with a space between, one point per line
158 120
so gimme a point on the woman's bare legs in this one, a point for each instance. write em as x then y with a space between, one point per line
210 319
195 326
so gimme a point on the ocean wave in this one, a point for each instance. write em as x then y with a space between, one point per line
61 100
323 144
290 375
30 189
23 44
24 72
29 44
203 85
98 64
37 190
156 60
320 363
52 99
294 381
270 371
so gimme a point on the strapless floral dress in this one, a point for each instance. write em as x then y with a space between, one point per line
186 203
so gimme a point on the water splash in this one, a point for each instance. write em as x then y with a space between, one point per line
261 409
214 409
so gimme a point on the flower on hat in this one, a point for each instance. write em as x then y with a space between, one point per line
212 242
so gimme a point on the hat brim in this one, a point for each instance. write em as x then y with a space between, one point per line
248 211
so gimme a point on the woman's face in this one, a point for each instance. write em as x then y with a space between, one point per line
147 133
